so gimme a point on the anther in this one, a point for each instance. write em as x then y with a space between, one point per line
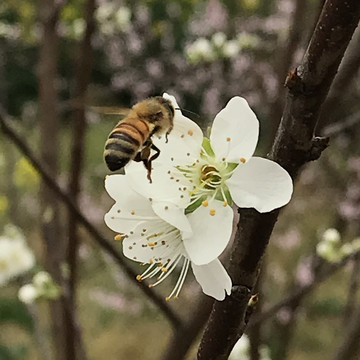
150 199
132 212
223 159
138 278
151 285
182 135
243 160
130 247
212 212
190 132
151 243
228 139
205 203
225 203
118 237
188 154
166 207
131 232
167 298
119 211
164 269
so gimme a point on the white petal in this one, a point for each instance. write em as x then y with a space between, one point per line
235 131
136 245
172 214
213 279
164 186
211 233
262 184
130 207
184 141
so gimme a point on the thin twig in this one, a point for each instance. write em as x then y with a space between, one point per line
301 291
103 242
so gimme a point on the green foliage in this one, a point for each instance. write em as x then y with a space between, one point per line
12 310
12 353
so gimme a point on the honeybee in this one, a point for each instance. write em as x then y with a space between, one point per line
131 137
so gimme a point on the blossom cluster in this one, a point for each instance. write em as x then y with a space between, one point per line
42 286
15 256
219 47
332 250
185 215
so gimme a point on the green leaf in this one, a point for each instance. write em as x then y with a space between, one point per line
192 207
16 312
207 147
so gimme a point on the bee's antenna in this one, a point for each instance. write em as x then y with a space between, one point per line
188 111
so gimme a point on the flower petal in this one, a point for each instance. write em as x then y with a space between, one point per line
184 141
172 214
152 242
164 186
235 131
213 279
130 207
262 184
212 228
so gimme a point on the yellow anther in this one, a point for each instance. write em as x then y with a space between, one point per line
106 176
190 132
243 160
138 278
151 285
225 203
132 212
176 297
151 243
150 199
167 298
118 237
205 203
212 212
228 139
166 207
223 159
164 269
130 247
151 261
119 211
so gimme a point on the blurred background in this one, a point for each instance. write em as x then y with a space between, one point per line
59 62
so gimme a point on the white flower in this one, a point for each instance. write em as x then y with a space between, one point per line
221 169
231 48
27 294
218 39
241 350
15 256
331 235
123 17
159 233
42 279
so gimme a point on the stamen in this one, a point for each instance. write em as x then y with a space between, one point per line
212 212
132 212
228 139
243 160
205 203
190 132
118 237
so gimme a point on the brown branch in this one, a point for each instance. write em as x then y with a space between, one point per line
82 79
294 146
49 126
91 229
353 290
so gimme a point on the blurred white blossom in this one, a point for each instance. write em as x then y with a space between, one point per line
331 249
241 350
28 294
15 256
42 287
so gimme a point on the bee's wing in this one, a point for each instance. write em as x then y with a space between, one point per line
110 110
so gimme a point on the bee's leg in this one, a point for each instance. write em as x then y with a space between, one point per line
138 157
148 161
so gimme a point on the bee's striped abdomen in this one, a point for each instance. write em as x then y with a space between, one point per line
124 142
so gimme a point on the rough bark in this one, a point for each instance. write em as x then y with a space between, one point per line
294 146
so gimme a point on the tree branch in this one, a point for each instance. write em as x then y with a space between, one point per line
91 229
294 145
82 80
